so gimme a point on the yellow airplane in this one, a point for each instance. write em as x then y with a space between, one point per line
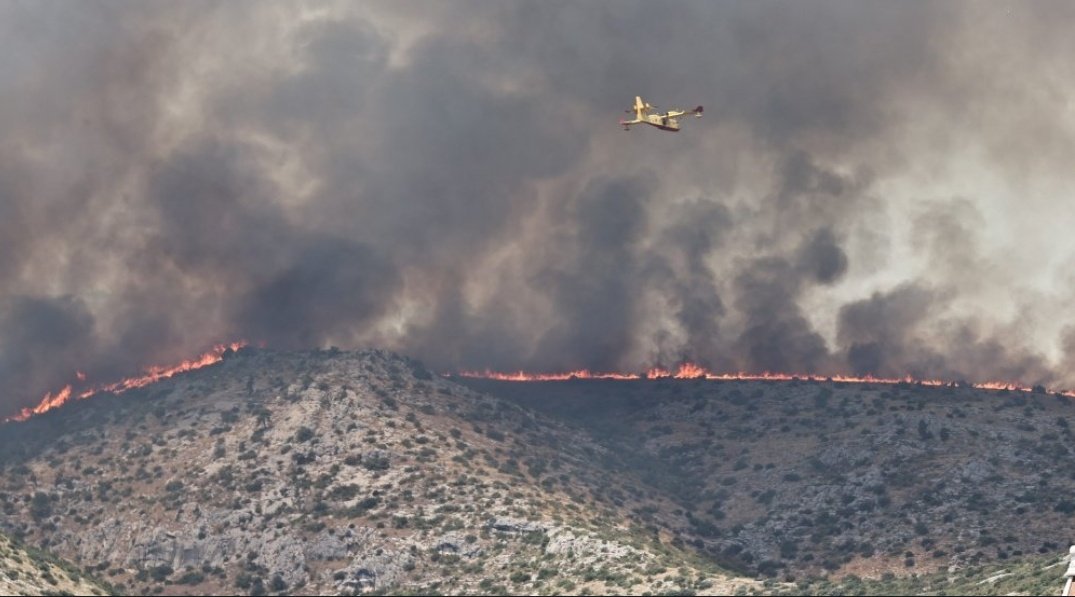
669 121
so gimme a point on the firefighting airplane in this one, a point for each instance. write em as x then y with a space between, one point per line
669 121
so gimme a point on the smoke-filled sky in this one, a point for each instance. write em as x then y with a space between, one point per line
876 187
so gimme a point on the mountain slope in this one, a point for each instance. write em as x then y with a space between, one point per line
326 472
794 479
1029 575
27 571
345 472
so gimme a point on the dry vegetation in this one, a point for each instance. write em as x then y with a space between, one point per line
792 480
336 472
28 571
361 472
797 480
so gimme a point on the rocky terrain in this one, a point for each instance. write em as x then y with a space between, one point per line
791 480
336 472
361 472
27 571
1027 575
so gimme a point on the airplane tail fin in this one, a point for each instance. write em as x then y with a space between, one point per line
639 107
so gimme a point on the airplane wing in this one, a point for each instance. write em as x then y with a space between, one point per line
676 113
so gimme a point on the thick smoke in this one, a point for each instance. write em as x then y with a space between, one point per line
869 184
53 327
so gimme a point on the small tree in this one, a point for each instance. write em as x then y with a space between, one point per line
304 434
41 505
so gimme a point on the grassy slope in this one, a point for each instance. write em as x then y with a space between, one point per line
1037 575
28 571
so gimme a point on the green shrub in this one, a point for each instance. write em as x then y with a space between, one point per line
41 505
519 577
190 577
160 573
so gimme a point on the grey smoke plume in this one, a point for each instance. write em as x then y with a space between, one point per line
873 189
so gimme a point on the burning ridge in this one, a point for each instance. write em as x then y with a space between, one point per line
684 371
150 374
692 371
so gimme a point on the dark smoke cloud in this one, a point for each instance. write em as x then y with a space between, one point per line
679 266
822 257
448 181
331 284
881 332
41 336
777 336
595 289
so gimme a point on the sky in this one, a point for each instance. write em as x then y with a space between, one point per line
875 187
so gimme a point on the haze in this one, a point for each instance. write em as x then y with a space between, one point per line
876 187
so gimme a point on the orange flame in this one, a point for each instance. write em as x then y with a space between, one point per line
152 373
693 371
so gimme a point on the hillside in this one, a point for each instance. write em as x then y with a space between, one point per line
1029 575
800 479
336 472
28 571
356 472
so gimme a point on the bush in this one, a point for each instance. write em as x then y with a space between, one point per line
190 577
244 580
160 573
41 505
304 434
375 462
369 503
344 492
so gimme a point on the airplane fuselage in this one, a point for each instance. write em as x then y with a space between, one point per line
669 121
662 122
